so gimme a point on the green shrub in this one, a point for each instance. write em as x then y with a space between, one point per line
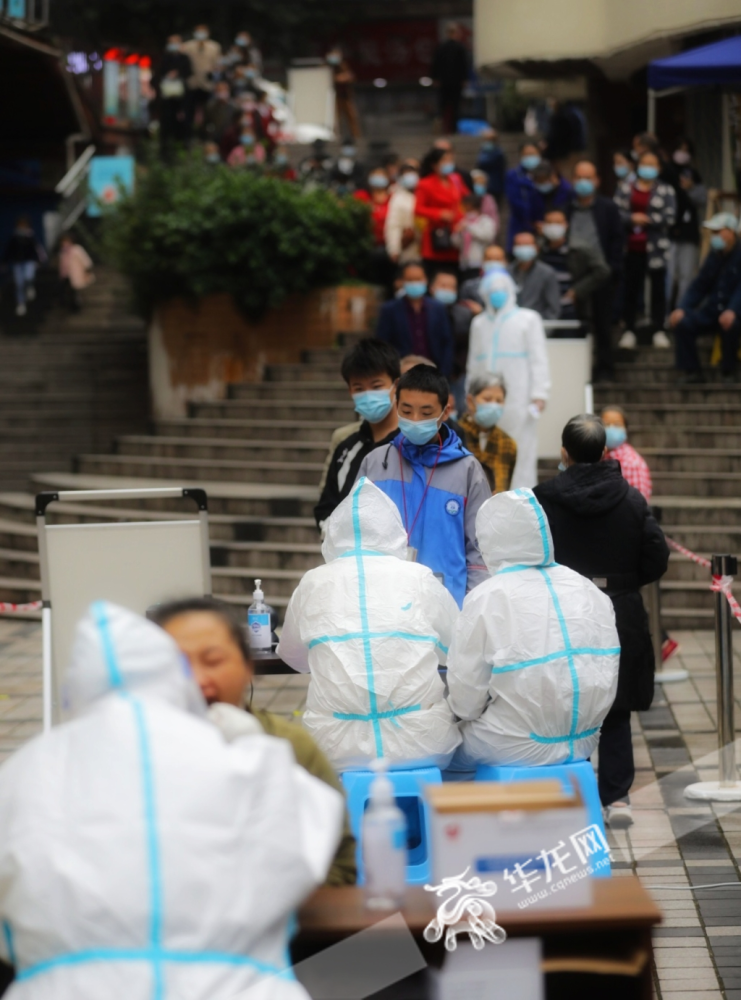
192 229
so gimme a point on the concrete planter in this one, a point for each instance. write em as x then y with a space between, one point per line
196 352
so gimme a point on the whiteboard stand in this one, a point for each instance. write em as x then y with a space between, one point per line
132 563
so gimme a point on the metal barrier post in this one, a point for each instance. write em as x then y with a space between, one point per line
728 788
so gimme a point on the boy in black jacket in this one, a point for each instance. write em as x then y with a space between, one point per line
371 370
602 528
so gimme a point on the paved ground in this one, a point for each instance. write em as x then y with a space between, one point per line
674 844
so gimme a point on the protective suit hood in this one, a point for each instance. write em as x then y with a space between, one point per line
116 649
498 281
366 520
512 528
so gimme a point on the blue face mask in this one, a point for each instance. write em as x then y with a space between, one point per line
545 188
247 140
378 181
615 436
445 295
447 168
621 170
173 46
415 289
488 146
584 187
717 242
373 405
213 158
419 432
530 162
280 159
409 180
488 414
647 173
525 252
562 467
479 189
498 298
492 265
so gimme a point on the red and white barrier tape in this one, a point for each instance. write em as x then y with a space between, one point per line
700 560
722 585
6 608
719 584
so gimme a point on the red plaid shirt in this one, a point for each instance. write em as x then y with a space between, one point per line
633 468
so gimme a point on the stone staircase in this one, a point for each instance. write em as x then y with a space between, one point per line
691 439
259 454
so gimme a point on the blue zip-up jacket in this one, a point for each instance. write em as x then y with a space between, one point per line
444 532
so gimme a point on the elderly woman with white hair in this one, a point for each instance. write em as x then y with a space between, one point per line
483 436
510 341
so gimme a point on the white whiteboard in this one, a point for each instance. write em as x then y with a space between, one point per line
133 564
571 372
311 94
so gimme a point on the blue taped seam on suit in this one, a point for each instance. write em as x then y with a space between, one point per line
522 566
495 352
349 636
565 739
372 716
540 514
368 652
8 935
151 955
561 654
569 658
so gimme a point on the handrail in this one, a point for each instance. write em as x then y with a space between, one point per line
69 180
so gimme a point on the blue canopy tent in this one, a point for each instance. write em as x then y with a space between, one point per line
719 63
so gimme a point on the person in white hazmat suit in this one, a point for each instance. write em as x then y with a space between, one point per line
142 857
533 666
510 341
372 628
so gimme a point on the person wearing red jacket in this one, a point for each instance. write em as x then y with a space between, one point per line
439 204
377 196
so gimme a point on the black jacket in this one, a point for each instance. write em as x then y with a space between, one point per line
718 285
344 468
609 229
602 528
450 65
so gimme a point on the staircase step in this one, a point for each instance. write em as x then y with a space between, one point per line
302 411
277 430
705 484
647 392
311 373
254 450
321 392
684 436
198 469
699 460
267 556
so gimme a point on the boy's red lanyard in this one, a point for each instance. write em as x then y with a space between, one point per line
410 531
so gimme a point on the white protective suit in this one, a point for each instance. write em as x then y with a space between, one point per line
534 662
511 342
372 628
141 856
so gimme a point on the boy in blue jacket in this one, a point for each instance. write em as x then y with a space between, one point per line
435 483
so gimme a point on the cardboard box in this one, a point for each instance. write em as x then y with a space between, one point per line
530 840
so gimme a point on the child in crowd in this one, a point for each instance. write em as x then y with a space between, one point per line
636 471
496 450
473 234
632 465
371 371
435 483
372 628
214 642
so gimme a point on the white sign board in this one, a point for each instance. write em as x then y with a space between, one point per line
571 372
311 95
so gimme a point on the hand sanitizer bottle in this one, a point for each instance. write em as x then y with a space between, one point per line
258 622
384 841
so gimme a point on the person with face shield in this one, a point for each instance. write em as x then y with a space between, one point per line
372 628
494 259
436 484
533 667
510 341
141 854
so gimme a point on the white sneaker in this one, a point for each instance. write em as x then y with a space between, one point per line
661 340
20 310
619 816
30 292
628 341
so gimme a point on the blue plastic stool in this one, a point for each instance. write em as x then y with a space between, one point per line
408 787
580 771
